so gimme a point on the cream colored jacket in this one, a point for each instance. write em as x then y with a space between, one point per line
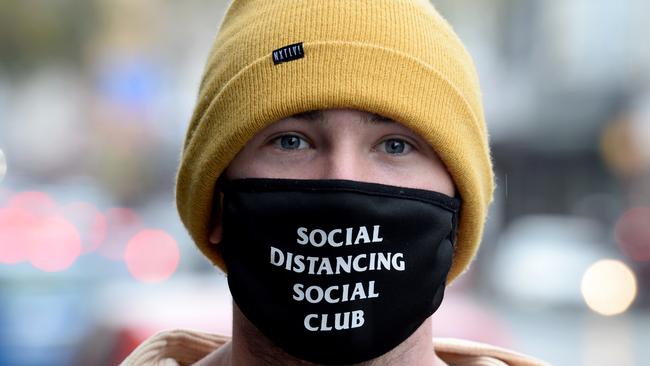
185 347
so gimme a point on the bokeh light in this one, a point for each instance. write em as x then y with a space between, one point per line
38 203
55 244
152 256
15 226
122 224
32 230
609 287
90 223
633 233
3 165
624 146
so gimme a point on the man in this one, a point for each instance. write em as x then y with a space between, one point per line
337 169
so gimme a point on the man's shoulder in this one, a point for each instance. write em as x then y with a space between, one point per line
175 347
185 347
460 352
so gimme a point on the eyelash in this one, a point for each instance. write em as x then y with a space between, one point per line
408 147
277 141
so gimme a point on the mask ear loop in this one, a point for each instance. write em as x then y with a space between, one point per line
454 222
452 237
446 251
216 212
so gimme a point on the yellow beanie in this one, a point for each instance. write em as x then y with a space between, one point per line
396 58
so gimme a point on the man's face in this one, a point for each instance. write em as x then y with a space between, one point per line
342 144
319 250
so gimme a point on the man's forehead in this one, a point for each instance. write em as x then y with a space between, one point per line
322 116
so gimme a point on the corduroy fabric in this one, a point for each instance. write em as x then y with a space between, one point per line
396 58
185 347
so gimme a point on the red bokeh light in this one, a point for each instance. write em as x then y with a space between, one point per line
152 256
122 224
55 244
633 233
39 203
31 229
16 225
90 223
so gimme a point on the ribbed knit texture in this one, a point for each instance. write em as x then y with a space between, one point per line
396 58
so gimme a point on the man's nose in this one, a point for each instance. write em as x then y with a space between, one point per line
344 162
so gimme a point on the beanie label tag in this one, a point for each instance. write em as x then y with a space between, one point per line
288 53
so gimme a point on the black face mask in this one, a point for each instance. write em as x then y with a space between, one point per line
334 271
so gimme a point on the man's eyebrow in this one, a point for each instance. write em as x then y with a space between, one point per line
310 116
318 116
375 118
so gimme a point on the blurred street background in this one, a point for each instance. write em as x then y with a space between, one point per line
95 97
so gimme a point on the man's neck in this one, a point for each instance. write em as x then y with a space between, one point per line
250 347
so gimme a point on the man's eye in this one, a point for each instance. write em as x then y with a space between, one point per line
291 142
396 146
